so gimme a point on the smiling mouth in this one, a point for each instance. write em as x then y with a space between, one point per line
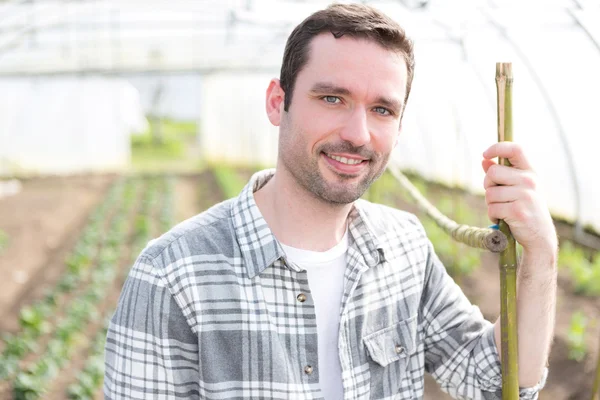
346 160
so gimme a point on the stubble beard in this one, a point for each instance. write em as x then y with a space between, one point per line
305 167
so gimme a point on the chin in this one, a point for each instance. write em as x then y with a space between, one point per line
342 195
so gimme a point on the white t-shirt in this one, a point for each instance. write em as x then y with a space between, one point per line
326 281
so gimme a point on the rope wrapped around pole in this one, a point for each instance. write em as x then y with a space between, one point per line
482 238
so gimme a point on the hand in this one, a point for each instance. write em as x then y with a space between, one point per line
512 194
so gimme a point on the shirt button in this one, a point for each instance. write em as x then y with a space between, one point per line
308 370
399 349
301 297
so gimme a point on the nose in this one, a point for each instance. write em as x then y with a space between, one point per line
356 129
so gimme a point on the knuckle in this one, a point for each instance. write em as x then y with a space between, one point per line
529 195
530 181
519 211
518 149
493 211
515 208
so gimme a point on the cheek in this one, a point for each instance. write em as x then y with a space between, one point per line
300 134
317 127
384 139
322 119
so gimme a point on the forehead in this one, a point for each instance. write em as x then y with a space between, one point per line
361 65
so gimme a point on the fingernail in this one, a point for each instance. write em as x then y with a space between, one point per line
495 226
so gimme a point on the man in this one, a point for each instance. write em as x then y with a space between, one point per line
296 289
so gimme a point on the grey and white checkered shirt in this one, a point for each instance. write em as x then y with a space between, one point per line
213 309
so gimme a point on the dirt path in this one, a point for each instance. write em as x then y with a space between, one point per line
57 388
42 222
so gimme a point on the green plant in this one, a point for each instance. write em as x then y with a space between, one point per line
175 137
159 195
95 246
576 336
584 270
229 182
91 377
33 318
166 217
3 240
96 256
382 190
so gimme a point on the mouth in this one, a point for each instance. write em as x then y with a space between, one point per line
345 163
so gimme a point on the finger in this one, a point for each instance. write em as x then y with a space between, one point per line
512 212
500 211
505 194
503 175
486 164
510 150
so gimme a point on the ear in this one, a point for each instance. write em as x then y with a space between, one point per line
275 101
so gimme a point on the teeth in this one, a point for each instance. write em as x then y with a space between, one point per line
345 160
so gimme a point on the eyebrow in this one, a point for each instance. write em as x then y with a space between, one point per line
328 88
322 87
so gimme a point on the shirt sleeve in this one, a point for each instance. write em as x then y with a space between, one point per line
460 349
151 351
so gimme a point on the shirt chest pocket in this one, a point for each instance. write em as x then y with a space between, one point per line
389 350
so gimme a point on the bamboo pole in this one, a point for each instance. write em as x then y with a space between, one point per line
596 387
500 240
482 238
508 257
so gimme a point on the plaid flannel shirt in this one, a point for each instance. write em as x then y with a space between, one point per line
213 310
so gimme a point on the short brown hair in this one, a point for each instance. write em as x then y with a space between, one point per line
354 20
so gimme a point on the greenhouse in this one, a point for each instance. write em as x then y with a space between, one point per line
121 119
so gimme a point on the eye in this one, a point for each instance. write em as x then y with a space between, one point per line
331 99
383 111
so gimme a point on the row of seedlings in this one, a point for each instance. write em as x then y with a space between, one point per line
34 319
89 380
32 382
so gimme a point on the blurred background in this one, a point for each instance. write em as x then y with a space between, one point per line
119 119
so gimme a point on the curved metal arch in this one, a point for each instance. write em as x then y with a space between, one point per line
596 42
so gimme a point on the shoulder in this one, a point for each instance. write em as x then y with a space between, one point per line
208 234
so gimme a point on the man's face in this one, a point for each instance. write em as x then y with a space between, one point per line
344 118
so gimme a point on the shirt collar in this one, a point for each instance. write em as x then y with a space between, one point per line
258 245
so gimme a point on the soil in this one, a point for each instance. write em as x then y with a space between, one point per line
42 222
105 308
45 219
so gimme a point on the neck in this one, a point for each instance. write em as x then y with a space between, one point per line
298 218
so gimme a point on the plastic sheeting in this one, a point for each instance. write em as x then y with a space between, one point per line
66 125
554 47
451 115
234 127
451 118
